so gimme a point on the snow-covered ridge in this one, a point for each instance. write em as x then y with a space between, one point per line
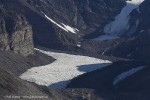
127 74
60 72
66 28
121 22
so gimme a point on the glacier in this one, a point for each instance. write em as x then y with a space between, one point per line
66 67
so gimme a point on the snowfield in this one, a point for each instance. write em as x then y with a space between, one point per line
69 28
63 69
121 22
127 74
64 27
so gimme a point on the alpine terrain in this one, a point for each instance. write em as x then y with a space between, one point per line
74 49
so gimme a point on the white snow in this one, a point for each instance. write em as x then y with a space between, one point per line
121 22
60 72
127 74
66 28
106 37
73 30
56 23
79 44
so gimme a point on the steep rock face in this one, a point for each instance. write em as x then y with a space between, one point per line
46 33
21 38
136 46
140 18
144 13
88 16
3 36
15 33
96 14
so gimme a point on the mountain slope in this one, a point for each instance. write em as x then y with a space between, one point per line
66 66
87 16
72 27
133 87
15 32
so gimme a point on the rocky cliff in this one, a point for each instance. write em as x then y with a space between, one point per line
15 32
136 46
88 16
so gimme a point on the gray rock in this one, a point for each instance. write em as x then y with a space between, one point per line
15 33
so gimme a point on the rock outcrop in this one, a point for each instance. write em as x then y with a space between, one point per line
137 45
89 16
15 33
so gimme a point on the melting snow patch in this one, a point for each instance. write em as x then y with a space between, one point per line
121 22
127 74
66 28
56 23
73 30
60 72
79 44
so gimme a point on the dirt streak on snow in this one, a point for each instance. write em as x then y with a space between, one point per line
65 68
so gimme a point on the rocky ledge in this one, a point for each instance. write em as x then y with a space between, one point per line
15 33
